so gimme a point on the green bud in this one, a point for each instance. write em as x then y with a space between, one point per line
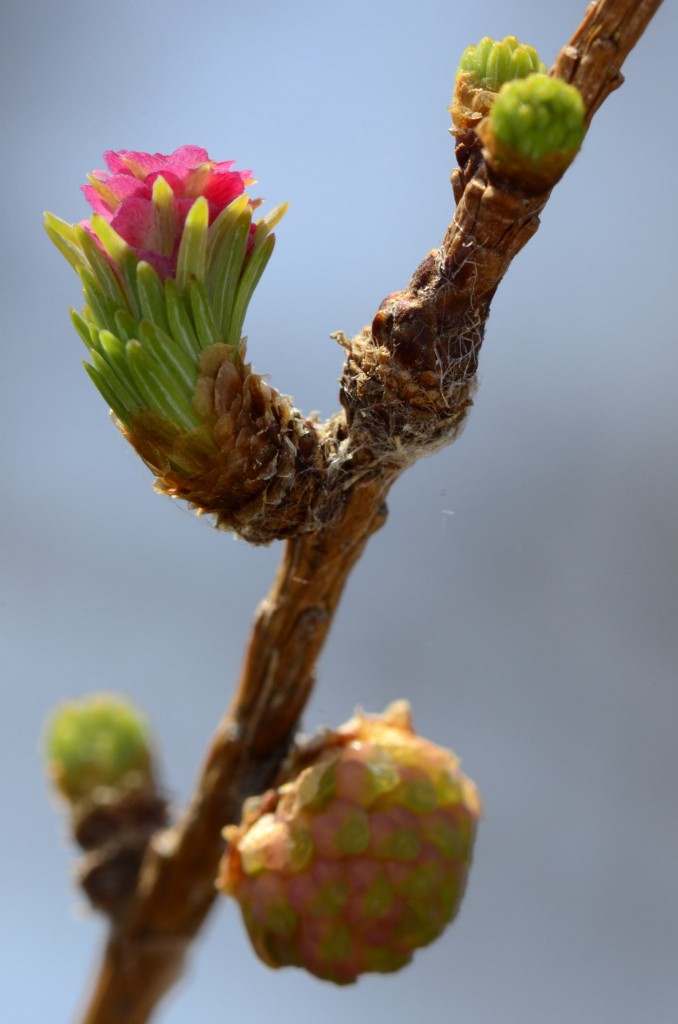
99 741
535 129
494 62
539 116
482 71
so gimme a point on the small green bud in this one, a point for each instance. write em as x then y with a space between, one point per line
494 62
482 71
539 116
99 741
535 129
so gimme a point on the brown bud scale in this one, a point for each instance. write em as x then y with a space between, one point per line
255 463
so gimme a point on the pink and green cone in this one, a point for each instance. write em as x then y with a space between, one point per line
361 858
168 262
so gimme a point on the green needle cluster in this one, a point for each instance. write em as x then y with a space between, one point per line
145 336
493 62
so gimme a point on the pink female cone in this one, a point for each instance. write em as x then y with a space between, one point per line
168 262
359 860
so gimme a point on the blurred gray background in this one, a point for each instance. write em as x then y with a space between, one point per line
522 595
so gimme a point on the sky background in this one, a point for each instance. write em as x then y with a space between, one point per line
523 593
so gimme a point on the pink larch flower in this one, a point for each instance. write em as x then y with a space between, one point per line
168 262
123 196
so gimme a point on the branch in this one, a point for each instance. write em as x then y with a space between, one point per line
407 386
146 949
593 58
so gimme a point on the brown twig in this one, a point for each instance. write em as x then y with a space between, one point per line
593 58
407 386
146 949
